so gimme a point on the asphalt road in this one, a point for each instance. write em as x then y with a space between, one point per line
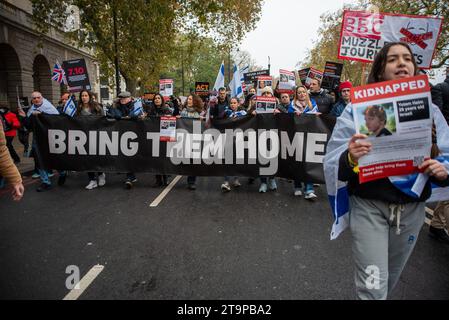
199 244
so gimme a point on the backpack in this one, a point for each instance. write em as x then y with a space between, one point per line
6 125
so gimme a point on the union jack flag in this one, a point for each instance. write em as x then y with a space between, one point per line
58 74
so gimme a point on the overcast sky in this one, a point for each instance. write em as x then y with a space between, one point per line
286 30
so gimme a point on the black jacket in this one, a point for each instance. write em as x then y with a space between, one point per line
323 100
219 110
440 96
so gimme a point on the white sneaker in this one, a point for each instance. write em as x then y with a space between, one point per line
101 180
310 196
92 184
298 192
236 183
226 187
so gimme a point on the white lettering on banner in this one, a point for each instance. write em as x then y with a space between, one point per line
155 138
213 151
56 140
268 155
313 147
295 147
241 145
251 146
396 87
133 146
77 140
110 143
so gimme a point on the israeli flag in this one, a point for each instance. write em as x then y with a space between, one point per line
70 107
219 82
138 108
236 84
412 184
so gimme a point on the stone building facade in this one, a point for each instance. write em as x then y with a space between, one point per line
27 57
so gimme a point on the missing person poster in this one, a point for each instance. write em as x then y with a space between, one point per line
332 75
166 88
168 129
313 74
262 82
302 74
397 118
363 34
265 104
287 82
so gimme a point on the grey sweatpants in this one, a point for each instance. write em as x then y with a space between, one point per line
380 253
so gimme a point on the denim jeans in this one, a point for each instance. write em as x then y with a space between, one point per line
308 187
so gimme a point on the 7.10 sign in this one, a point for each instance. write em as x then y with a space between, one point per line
76 74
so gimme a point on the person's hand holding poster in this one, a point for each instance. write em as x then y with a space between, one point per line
396 117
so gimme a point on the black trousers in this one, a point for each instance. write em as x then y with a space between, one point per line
13 152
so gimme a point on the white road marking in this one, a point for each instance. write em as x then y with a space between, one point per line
74 294
429 211
165 192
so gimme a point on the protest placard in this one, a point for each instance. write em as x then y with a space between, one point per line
287 82
313 74
302 74
265 104
202 89
76 75
168 129
262 82
166 88
363 34
331 76
396 115
250 77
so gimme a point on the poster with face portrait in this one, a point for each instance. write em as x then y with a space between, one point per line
313 74
262 82
265 104
166 88
363 34
396 116
287 82
168 129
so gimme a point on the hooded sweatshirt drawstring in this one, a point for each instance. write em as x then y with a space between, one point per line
396 209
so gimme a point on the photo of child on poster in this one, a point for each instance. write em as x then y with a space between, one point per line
377 120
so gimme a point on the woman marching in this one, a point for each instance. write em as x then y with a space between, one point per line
384 220
160 109
88 107
192 109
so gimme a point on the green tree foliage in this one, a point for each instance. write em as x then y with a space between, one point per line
149 31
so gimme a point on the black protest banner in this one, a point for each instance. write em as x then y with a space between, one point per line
252 76
76 75
332 75
284 145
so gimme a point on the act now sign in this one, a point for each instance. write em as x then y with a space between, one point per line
363 34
